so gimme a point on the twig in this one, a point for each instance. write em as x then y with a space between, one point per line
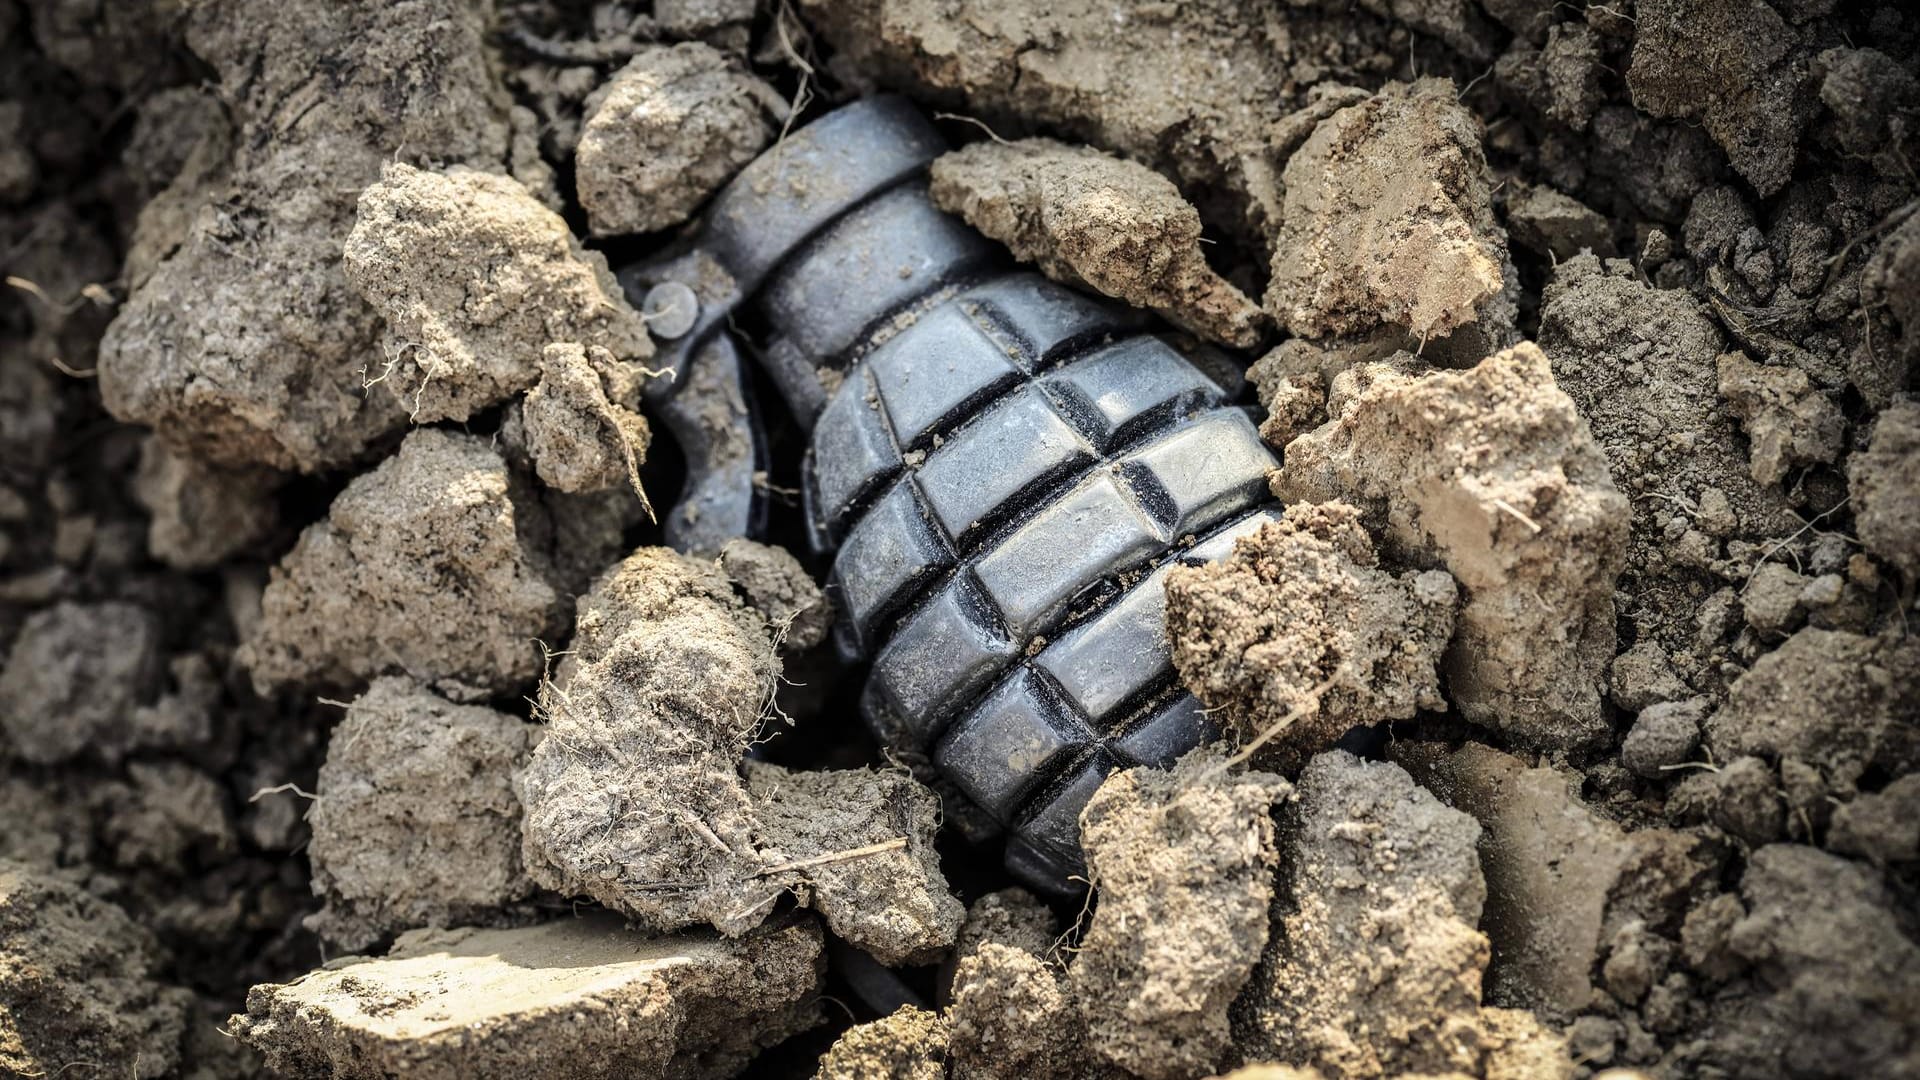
880 848
1310 705
279 788
976 122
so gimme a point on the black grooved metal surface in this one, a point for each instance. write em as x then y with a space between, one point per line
1003 471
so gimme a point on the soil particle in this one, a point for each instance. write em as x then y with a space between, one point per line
1771 600
1833 978
1890 295
910 1044
77 987
635 798
580 423
1089 218
1374 964
666 132
1191 90
1642 365
164 813
1884 481
72 679
1491 474
247 345
1011 917
816 831
1012 1018
416 823
1736 66
1291 381
1663 737
1546 222
1561 80
1883 827
781 590
1300 628
420 566
580 997
475 277
1641 677
1788 421
1388 220
1182 862
1871 98
1844 703
202 515
1562 883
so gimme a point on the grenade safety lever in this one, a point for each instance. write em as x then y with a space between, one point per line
1002 468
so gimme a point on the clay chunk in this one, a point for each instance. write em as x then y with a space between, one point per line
475 277
416 823
1093 219
418 567
77 987
1738 67
1846 703
247 345
1374 964
666 132
581 423
1789 422
637 798
202 515
1885 482
1300 627
576 998
1492 474
1183 862
1388 220
74 679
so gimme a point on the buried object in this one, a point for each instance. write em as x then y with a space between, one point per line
1003 469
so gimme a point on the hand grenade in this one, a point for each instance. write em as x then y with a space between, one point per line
1002 469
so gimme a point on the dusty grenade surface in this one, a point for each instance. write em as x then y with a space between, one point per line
1002 469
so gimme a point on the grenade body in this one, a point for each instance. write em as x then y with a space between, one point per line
1002 470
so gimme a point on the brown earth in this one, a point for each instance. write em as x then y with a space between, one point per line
333 611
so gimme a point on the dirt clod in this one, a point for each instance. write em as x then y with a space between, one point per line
1300 627
420 566
417 823
76 984
247 344
1388 221
1374 964
1844 703
636 796
202 514
75 679
474 278
1088 218
1493 475
581 422
908 1044
1789 423
781 590
665 132
1183 863
579 997
1734 64
1885 482
835 838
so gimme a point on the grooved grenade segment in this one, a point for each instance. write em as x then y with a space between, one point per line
1004 470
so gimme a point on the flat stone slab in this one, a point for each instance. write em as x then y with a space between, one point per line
580 997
